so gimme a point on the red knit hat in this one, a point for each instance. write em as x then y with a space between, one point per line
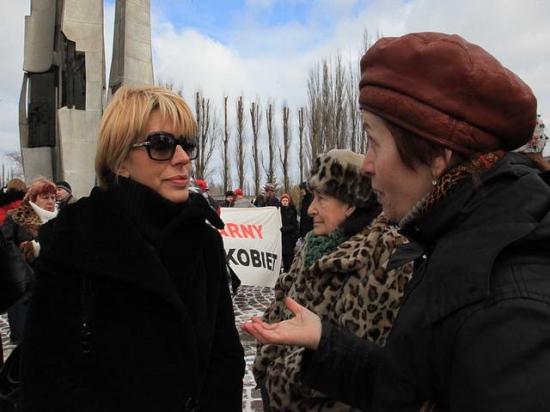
238 192
447 90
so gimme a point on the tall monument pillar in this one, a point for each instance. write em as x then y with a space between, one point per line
64 86
63 90
132 62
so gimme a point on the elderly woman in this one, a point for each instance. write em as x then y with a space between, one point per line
131 309
473 330
340 273
21 227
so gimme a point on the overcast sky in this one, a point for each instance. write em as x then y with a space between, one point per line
265 48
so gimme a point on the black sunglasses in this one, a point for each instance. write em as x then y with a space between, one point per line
162 146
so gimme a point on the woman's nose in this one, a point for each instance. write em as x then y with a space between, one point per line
180 155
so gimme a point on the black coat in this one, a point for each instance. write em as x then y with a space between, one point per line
158 342
306 221
473 333
289 228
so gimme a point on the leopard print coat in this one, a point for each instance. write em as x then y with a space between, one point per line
349 288
21 227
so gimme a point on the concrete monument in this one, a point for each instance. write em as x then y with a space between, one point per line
63 91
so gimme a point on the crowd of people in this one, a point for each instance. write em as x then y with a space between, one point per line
415 275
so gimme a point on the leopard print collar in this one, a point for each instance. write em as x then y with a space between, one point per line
451 181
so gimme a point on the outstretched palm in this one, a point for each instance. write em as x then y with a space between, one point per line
302 330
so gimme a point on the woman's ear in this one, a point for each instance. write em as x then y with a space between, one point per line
350 210
122 171
441 163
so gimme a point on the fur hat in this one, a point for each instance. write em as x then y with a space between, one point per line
270 186
338 174
61 184
447 90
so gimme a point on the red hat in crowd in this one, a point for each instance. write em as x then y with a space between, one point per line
201 184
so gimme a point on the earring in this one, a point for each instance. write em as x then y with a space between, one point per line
434 181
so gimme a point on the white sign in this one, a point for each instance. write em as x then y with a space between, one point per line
252 241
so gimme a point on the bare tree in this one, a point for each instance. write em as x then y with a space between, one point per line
354 139
241 142
285 149
269 120
208 128
314 112
302 149
12 167
225 157
256 120
170 85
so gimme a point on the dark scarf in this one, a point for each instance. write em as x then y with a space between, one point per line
319 246
148 211
451 181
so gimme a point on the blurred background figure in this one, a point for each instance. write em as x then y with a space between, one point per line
533 148
306 221
240 200
229 198
21 227
11 197
259 200
64 194
271 198
200 186
289 230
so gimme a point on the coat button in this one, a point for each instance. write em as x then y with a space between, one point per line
192 405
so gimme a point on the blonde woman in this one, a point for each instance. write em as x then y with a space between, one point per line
132 310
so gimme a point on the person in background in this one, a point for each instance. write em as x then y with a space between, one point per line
340 273
200 186
289 230
131 303
271 198
306 221
11 197
259 200
229 198
534 148
64 194
21 228
240 200
441 116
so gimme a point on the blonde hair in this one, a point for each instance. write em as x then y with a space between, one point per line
17 185
125 119
39 186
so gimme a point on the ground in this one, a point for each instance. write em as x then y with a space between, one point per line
250 300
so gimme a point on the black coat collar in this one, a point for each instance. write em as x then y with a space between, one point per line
95 237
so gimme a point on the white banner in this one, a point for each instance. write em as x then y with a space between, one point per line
252 241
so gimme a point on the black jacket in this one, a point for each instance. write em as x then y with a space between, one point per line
306 221
289 228
473 333
163 335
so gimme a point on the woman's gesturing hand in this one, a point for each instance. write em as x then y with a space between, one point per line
302 330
